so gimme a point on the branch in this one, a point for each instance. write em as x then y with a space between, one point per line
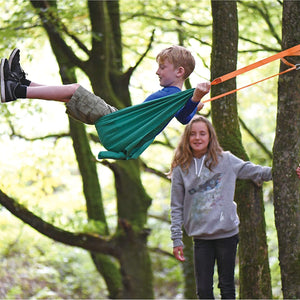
160 251
153 171
202 42
263 47
162 218
165 144
90 242
55 136
54 26
94 137
258 141
131 70
263 11
143 165
7 28
160 18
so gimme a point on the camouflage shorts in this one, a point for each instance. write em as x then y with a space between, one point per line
86 107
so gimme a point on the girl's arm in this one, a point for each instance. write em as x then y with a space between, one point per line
247 170
177 202
257 173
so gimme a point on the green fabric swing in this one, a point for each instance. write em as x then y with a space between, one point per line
126 133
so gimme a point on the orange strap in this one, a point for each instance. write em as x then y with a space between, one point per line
288 52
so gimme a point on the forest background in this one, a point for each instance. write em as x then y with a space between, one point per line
75 227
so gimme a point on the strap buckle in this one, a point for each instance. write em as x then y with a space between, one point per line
297 66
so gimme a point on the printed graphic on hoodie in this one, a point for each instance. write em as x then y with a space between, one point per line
205 197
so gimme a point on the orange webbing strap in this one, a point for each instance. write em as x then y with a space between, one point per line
233 91
288 52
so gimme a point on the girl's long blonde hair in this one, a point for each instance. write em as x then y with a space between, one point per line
183 153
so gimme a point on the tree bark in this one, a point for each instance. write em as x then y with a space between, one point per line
91 242
104 70
254 269
286 152
188 268
133 204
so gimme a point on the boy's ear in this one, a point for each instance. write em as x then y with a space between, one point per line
180 71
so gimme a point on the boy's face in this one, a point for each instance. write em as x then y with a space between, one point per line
168 75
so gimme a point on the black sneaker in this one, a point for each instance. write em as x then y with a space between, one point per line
9 82
14 65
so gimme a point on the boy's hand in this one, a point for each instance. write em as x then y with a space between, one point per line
200 91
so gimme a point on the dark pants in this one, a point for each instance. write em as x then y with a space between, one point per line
206 252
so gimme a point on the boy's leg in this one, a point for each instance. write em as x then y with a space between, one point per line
84 106
11 88
81 104
61 93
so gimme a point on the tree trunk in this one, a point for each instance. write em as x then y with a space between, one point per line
92 192
286 158
188 264
188 268
135 266
253 252
133 204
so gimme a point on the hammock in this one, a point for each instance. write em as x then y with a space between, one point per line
126 133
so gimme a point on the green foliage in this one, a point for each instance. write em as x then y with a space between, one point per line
43 269
18 20
168 282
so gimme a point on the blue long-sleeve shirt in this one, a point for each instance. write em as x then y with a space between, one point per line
186 113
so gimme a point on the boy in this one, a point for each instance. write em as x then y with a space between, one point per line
175 65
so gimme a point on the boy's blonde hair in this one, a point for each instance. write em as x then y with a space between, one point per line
179 57
183 153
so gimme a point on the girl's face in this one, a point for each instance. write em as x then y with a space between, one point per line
168 75
199 139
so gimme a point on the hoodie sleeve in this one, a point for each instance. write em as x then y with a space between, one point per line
177 202
248 170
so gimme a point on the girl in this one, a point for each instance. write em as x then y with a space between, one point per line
202 193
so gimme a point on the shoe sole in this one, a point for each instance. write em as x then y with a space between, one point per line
2 81
12 56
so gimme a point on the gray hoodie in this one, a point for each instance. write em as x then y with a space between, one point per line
202 200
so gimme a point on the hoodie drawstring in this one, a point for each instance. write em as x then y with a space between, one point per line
196 167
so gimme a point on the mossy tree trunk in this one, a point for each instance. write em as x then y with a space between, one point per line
132 277
253 252
188 268
286 159
133 204
188 264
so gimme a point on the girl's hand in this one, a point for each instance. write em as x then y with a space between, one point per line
178 253
298 171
